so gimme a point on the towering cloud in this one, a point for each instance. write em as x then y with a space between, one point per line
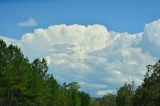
98 59
151 38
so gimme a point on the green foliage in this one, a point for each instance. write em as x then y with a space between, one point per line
108 100
28 84
125 94
96 102
85 99
148 94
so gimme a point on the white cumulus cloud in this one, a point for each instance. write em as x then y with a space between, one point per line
151 38
61 41
98 59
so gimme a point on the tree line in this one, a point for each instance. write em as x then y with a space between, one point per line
24 83
147 94
28 84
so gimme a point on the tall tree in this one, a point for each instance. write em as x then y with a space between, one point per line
125 94
149 92
73 90
85 99
108 100
28 84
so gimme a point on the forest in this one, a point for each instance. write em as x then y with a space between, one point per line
24 83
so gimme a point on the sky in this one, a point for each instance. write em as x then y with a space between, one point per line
98 43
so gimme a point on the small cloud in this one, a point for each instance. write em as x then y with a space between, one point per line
29 23
104 92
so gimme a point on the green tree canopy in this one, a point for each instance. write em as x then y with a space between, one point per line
28 84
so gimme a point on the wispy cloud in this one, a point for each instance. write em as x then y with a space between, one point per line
29 23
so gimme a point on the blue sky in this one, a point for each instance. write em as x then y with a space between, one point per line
98 43
118 15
